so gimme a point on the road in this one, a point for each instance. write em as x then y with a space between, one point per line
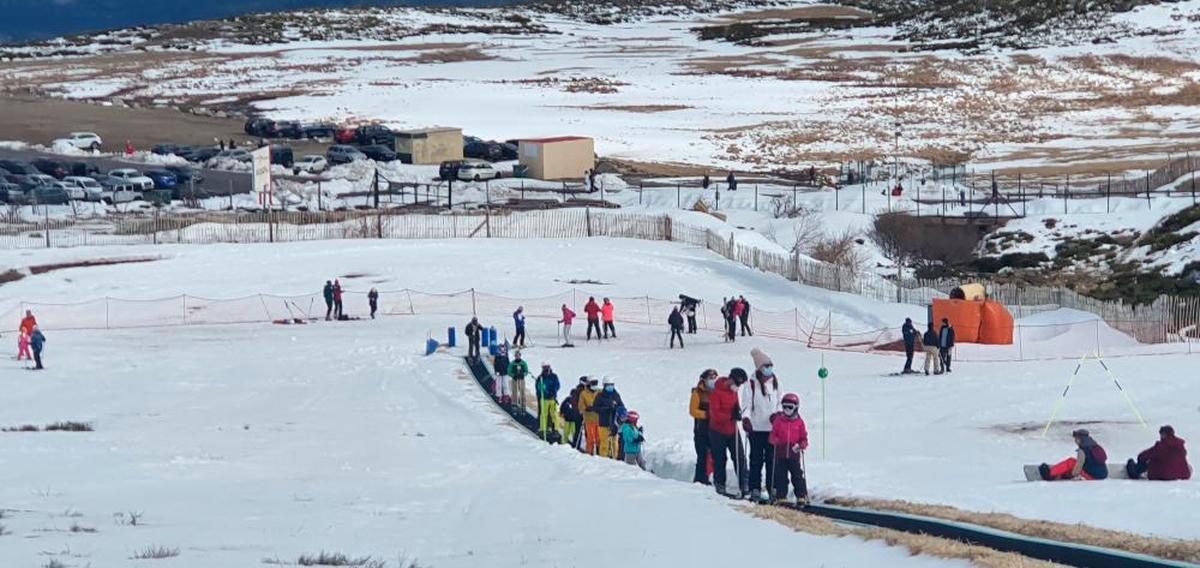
216 182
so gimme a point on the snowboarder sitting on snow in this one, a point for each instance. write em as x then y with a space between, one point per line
930 342
945 344
910 344
473 331
37 341
547 391
1088 463
632 438
606 406
328 293
675 320
517 371
789 437
501 365
592 309
1166 460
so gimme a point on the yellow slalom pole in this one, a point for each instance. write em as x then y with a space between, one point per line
1063 398
1129 400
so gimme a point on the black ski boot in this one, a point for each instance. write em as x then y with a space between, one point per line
1044 471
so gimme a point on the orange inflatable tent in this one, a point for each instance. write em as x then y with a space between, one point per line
984 322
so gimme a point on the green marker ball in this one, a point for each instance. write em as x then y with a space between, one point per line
823 373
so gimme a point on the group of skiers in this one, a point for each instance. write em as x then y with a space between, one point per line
938 346
736 311
769 419
333 301
30 341
1166 460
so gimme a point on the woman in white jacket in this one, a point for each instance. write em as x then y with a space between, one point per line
760 400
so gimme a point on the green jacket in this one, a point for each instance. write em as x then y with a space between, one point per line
518 369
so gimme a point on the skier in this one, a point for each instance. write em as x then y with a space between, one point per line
705 182
607 403
727 318
517 371
909 331
698 408
28 323
632 437
744 316
731 181
547 391
789 438
1088 463
501 365
1166 460
337 300
687 305
592 309
607 311
473 331
675 321
568 316
723 415
373 300
760 397
591 420
23 346
519 323
328 293
930 343
945 344
572 419
37 341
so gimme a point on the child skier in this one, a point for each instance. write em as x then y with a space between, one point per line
500 364
789 437
632 438
23 346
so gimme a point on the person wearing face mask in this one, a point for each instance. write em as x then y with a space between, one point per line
698 408
591 420
608 404
724 412
760 397
789 438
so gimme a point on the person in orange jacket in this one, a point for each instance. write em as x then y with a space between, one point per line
28 323
607 311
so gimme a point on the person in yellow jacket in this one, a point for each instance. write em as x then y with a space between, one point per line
591 419
698 408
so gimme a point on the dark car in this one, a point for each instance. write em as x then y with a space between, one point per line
10 193
379 153
50 167
345 135
47 196
258 126
163 179
288 129
321 131
448 170
185 174
283 156
374 134
481 150
205 154
181 150
84 169
18 167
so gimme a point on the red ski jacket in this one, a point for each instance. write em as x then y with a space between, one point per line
592 309
723 410
786 432
1168 460
568 315
607 310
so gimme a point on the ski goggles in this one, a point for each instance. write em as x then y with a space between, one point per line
789 407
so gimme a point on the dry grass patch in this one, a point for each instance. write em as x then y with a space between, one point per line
1171 549
636 108
916 543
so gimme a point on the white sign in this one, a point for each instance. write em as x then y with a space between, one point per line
262 173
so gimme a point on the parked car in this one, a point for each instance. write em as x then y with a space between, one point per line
318 132
11 193
186 174
48 195
476 170
117 190
18 167
83 140
86 169
181 150
239 154
74 192
313 164
205 154
283 156
258 126
53 168
481 150
448 169
288 129
378 152
345 135
92 190
374 134
40 179
163 179
343 154
134 177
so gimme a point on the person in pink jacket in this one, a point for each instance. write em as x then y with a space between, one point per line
789 437
23 346
568 316
607 311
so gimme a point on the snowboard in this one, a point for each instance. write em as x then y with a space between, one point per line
1115 471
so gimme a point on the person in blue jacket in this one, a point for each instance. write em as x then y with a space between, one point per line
945 343
632 438
519 323
547 386
37 341
910 344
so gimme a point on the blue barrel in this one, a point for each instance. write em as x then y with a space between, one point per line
450 339
431 346
492 336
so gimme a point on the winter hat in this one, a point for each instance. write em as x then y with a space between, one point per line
760 359
608 381
583 380
1166 431
791 398
738 375
1081 433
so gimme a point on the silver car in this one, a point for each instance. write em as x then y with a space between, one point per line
84 188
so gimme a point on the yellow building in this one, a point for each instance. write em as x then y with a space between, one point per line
564 157
429 145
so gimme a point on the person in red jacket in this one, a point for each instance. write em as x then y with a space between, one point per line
607 311
1166 460
724 412
568 316
337 300
789 437
592 309
28 323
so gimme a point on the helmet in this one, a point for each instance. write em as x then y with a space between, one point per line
608 381
583 380
632 417
791 398
545 365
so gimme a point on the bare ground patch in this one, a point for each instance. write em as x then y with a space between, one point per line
634 108
44 268
1172 549
818 12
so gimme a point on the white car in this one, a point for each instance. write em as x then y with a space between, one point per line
313 164
476 170
40 179
134 177
84 140
74 192
86 188
117 190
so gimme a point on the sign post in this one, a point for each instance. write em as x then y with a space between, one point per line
261 184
